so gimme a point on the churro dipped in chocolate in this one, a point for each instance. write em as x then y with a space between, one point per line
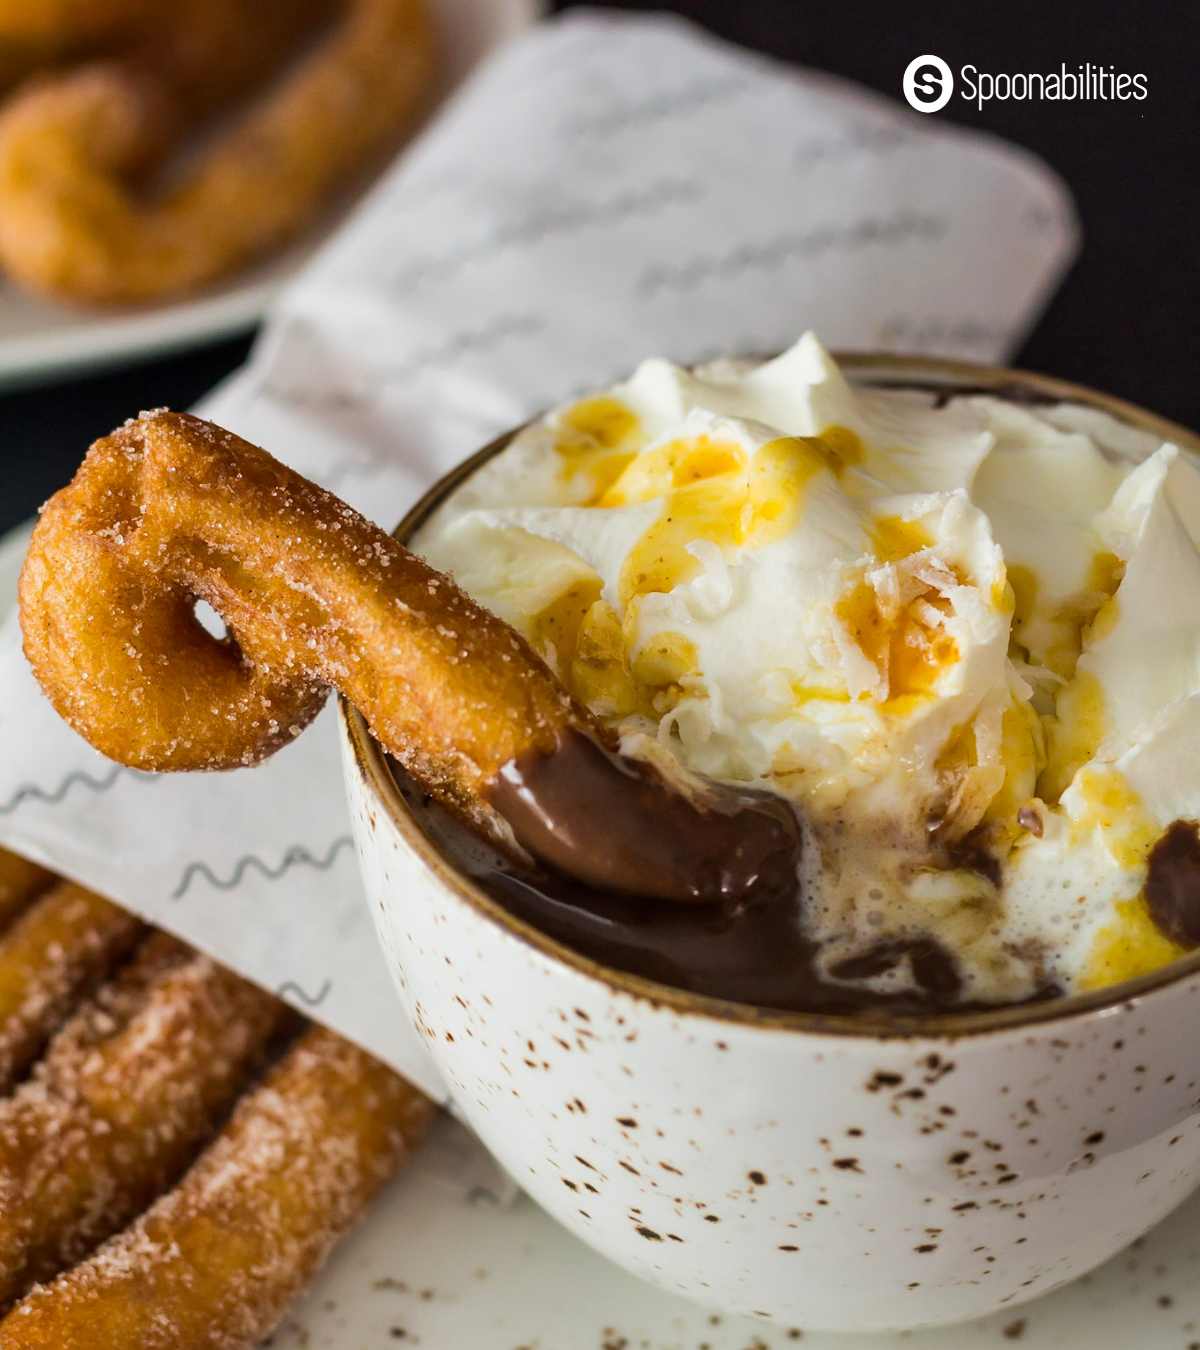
170 509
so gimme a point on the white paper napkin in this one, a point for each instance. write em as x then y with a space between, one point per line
604 189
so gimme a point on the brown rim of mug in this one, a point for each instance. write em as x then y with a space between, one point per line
879 370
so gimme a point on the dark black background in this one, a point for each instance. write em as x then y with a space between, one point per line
1126 319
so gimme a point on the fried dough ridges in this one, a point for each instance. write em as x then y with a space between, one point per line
171 509
61 946
132 1085
213 1264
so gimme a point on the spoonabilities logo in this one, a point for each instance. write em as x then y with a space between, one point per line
928 83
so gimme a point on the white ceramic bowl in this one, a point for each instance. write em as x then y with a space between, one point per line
816 1171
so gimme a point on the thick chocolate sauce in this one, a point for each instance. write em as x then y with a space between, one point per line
617 825
1173 883
750 950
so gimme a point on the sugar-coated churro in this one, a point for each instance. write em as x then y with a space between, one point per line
63 943
129 1088
170 509
74 150
213 1264
20 881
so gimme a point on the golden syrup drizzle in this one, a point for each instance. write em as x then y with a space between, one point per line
893 538
991 793
1129 946
842 447
814 693
592 657
1023 755
1073 734
909 656
664 660
597 439
553 632
598 672
1079 723
1105 573
1024 584
714 491
1058 637
1112 807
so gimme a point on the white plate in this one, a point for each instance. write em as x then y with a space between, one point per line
444 1263
40 340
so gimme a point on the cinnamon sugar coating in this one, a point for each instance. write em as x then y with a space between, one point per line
130 1087
213 1264
170 509
61 946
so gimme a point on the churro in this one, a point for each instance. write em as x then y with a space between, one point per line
62 25
76 220
20 881
213 1264
170 509
61 945
135 1081
38 33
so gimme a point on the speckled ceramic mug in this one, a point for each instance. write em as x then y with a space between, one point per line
820 1172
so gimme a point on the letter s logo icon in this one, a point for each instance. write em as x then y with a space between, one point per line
928 83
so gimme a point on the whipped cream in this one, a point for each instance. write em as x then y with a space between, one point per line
962 635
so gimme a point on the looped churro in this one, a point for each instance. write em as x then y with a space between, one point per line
213 1264
170 509
75 219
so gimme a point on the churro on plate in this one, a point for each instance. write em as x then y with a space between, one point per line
173 1063
20 881
62 944
134 1082
213 1264
89 210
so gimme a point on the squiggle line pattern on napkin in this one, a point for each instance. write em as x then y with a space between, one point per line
295 856
33 792
290 989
